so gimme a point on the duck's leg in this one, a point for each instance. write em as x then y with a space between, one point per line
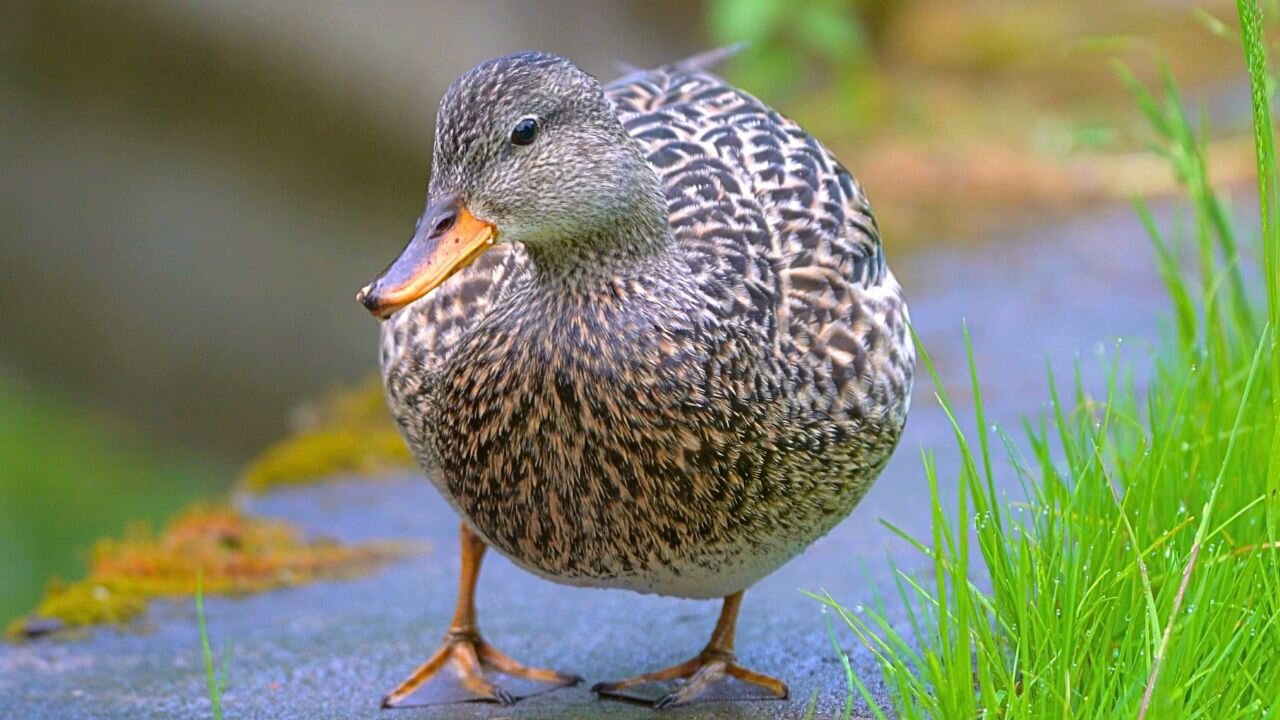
465 652
714 663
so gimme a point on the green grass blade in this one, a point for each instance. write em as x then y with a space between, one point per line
210 674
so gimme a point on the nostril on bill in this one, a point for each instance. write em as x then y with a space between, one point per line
443 223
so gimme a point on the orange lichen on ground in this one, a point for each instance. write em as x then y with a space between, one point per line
234 552
350 432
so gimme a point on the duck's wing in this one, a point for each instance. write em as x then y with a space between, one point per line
778 233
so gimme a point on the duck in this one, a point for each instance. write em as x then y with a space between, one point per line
644 336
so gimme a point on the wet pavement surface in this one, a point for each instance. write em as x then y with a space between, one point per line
332 650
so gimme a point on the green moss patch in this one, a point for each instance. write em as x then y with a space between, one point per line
349 432
236 553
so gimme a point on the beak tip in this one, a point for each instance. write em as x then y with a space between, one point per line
369 300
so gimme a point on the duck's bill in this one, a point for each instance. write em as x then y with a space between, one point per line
448 239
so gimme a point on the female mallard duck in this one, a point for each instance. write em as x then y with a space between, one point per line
685 361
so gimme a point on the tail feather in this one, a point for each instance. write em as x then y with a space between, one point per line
701 62
709 59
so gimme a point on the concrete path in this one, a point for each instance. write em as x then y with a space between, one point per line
331 650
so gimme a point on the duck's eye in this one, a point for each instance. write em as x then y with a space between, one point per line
524 132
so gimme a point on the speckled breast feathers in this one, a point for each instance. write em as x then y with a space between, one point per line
686 423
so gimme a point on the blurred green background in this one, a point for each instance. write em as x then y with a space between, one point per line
191 193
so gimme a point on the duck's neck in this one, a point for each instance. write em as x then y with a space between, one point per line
635 238
587 263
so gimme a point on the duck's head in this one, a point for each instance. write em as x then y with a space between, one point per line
527 149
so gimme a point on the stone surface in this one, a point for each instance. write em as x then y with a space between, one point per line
331 650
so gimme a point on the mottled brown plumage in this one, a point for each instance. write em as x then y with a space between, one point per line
690 362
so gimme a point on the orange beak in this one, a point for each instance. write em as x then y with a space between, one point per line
448 239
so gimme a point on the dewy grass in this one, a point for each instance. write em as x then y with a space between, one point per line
1260 82
1141 576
